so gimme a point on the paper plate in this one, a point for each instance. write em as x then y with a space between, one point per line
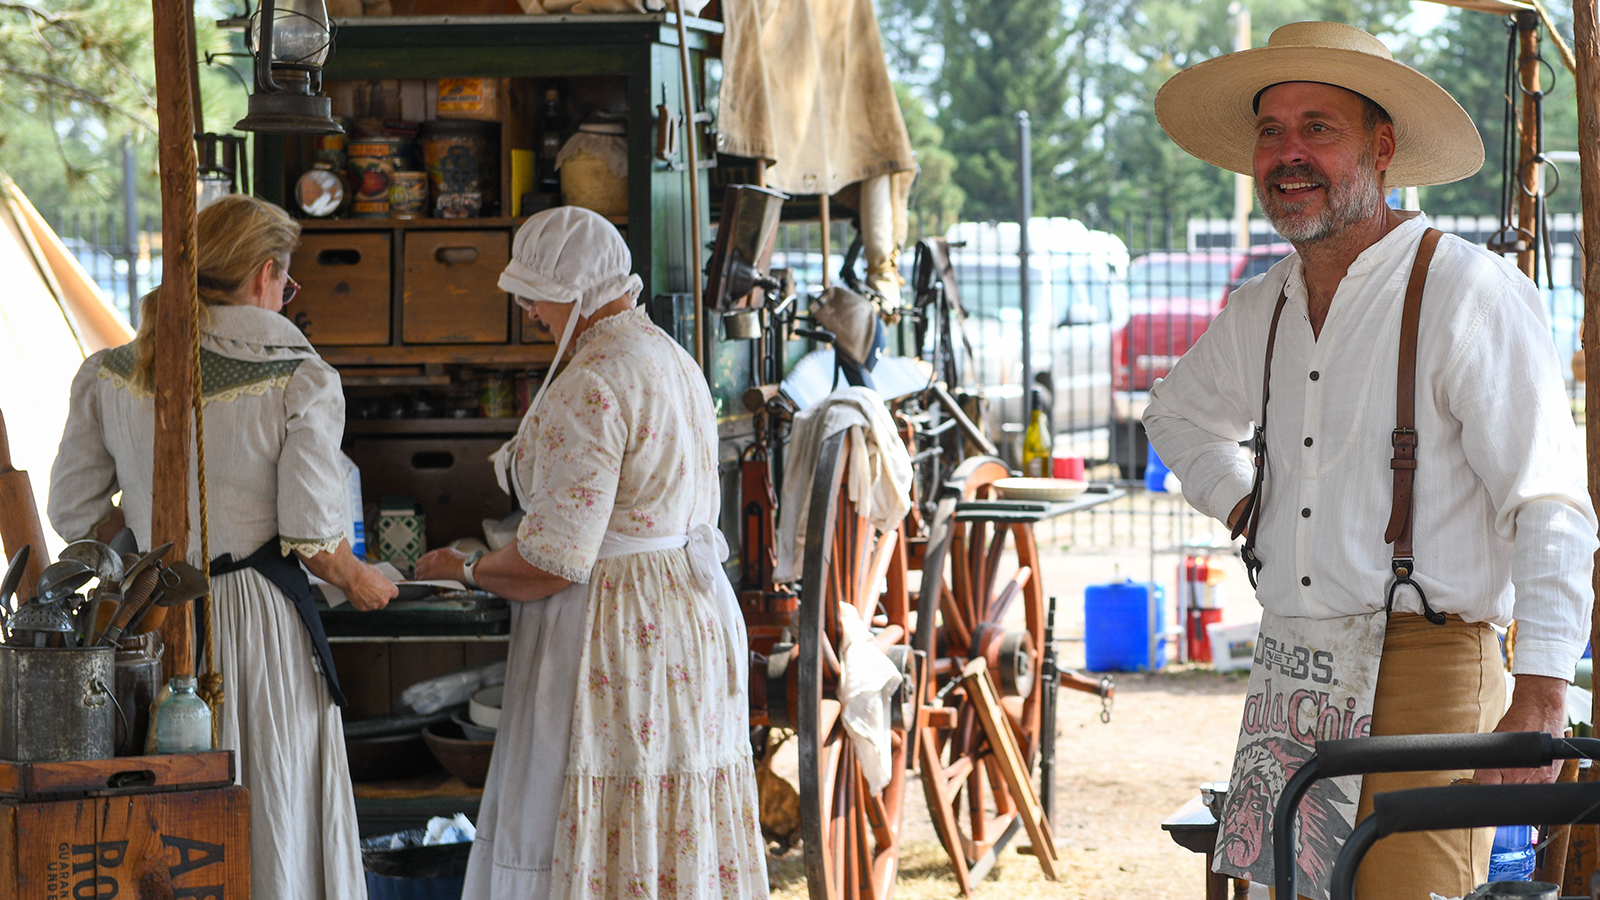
1040 488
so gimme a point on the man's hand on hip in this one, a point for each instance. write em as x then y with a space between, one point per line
1539 703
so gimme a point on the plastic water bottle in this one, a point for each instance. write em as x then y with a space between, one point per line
1511 857
183 724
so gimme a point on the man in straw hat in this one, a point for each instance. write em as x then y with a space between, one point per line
1374 536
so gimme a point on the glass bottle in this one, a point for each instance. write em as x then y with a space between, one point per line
552 135
183 724
1036 441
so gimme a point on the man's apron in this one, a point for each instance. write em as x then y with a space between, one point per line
1314 679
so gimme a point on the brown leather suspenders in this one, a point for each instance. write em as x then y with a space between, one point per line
1403 439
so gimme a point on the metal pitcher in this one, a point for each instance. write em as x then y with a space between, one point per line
56 703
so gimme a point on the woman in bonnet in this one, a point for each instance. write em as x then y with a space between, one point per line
622 766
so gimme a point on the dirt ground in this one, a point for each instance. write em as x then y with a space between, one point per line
1169 732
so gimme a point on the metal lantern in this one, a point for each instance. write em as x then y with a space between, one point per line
222 162
290 40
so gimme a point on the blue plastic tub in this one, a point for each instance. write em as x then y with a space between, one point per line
1124 627
1155 471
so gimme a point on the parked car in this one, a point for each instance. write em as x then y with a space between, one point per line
1173 297
1077 294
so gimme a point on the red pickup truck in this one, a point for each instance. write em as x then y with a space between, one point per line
1173 296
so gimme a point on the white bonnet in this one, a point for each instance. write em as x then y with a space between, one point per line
570 255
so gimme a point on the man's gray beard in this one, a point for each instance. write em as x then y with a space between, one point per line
1348 203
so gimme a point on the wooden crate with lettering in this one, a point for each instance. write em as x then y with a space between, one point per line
128 827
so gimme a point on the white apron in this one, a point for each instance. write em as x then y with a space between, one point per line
1312 679
512 855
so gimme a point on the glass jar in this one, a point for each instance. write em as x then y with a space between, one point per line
183 723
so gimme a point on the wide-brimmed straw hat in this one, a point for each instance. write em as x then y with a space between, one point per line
1209 109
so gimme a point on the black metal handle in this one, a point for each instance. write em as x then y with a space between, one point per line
1432 752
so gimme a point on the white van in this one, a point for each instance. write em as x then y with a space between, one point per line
1078 293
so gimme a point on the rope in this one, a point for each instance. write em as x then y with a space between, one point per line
210 679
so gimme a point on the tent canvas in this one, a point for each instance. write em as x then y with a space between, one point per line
51 316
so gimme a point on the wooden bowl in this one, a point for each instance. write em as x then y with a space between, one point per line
467 760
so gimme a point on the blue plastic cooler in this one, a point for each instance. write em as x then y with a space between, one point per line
1124 627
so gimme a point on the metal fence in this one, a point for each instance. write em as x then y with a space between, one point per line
125 267
1109 310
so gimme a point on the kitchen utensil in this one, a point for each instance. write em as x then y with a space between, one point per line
484 707
138 678
124 542
178 583
106 562
61 578
466 759
19 517
36 620
1039 488
139 564
8 587
138 597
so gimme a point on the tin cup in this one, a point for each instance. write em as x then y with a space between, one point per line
408 195
1070 467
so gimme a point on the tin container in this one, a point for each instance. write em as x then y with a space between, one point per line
330 148
58 703
371 174
408 195
463 160
138 679
495 397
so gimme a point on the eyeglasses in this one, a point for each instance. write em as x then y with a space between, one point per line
290 288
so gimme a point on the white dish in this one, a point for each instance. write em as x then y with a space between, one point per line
484 708
1040 488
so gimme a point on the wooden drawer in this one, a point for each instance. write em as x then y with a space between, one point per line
344 287
452 294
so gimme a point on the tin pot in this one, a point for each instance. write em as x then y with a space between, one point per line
57 704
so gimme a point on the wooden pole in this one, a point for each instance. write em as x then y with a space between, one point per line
175 320
1586 49
691 114
1528 171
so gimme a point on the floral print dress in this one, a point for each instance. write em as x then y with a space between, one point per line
658 797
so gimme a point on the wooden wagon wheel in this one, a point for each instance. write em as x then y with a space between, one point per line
960 610
851 835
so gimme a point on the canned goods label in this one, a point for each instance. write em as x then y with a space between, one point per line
408 194
371 177
461 95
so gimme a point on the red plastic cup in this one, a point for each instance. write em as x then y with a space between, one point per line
1070 467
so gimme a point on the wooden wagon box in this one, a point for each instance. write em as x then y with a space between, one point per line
131 827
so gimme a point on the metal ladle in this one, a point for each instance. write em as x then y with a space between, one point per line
61 578
105 562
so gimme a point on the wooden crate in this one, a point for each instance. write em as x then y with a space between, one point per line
153 839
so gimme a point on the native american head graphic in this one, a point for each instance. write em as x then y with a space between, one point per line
1259 777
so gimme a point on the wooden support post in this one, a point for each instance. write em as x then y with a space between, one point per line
1586 49
175 320
1007 756
1528 171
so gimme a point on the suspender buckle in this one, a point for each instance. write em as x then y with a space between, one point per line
1403 566
1407 436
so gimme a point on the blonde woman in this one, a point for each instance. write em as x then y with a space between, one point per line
274 416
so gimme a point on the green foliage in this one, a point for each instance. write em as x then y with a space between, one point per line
1467 54
936 199
77 77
